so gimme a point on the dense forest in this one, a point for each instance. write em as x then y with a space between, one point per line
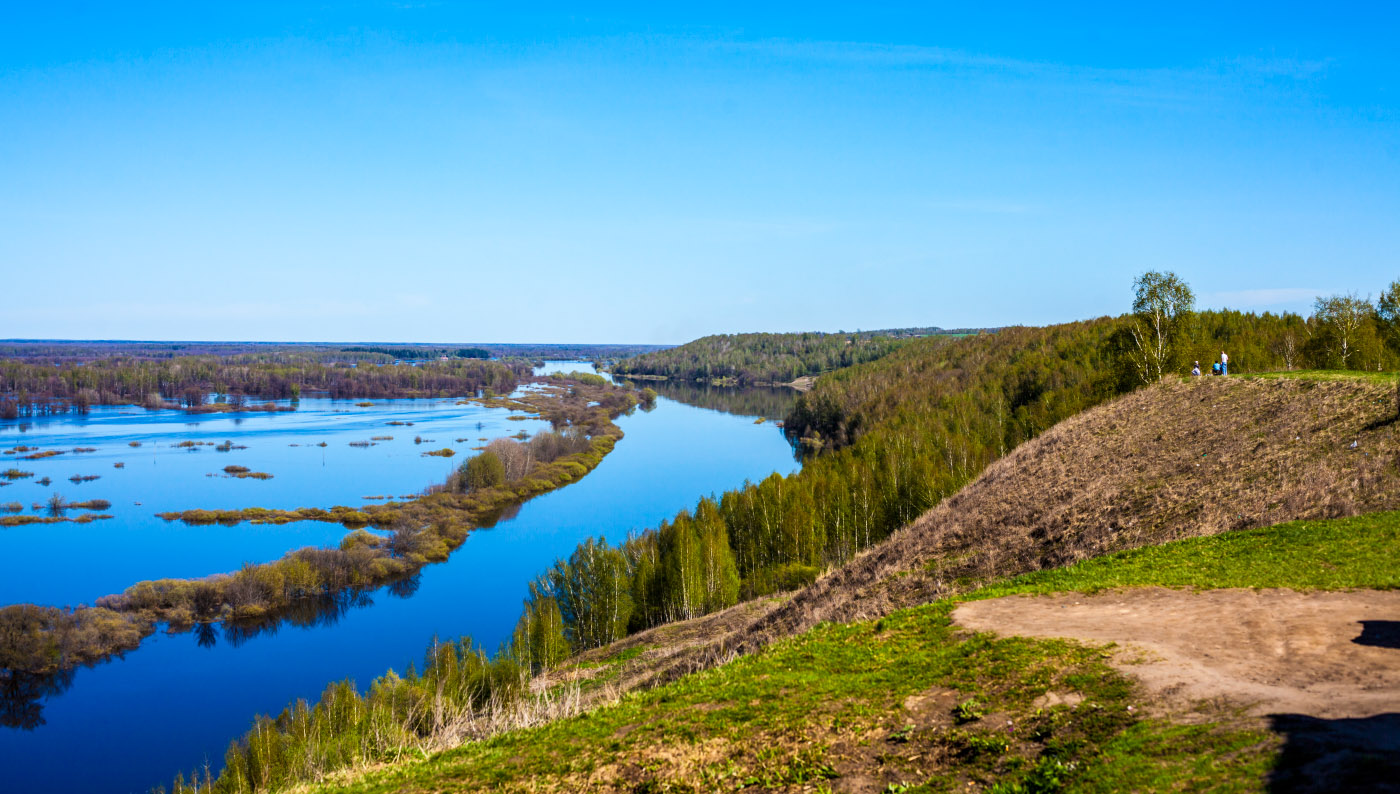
192 381
747 359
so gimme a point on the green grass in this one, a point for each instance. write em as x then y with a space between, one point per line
804 709
1325 374
1360 552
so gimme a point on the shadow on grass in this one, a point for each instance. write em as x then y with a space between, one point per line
1380 423
1319 755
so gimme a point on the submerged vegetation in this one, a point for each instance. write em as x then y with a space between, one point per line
243 473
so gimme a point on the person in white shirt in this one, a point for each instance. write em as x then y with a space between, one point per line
1224 363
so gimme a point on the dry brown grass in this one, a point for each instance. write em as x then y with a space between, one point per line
1183 459
657 655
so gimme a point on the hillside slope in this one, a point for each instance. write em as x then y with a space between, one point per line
911 702
1183 459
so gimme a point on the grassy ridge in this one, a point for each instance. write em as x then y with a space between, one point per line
910 703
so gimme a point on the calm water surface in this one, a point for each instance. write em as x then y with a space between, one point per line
178 700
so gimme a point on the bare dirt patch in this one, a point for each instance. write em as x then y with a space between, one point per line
1330 655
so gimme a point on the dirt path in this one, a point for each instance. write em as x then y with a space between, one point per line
1325 654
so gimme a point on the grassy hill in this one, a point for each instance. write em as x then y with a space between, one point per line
1182 459
910 703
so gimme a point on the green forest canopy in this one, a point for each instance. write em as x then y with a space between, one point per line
772 358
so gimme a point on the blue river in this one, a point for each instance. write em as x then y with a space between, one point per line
176 702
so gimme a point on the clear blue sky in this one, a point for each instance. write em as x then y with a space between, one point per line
424 171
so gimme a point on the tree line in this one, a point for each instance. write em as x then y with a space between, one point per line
746 359
1165 335
28 388
420 352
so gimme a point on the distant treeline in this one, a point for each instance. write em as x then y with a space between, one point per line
746 359
420 352
28 388
53 351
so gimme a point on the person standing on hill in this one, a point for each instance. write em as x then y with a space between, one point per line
1224 363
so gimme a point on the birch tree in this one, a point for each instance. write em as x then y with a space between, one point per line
1162 307
1388 312
1341 318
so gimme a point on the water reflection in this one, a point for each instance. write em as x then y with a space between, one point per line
304 613
767 402
20 693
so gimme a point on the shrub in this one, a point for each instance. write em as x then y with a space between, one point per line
482 471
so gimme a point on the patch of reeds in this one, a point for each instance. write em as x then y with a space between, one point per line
245 473
460 694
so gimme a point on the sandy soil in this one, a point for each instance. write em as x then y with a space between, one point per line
1324 654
